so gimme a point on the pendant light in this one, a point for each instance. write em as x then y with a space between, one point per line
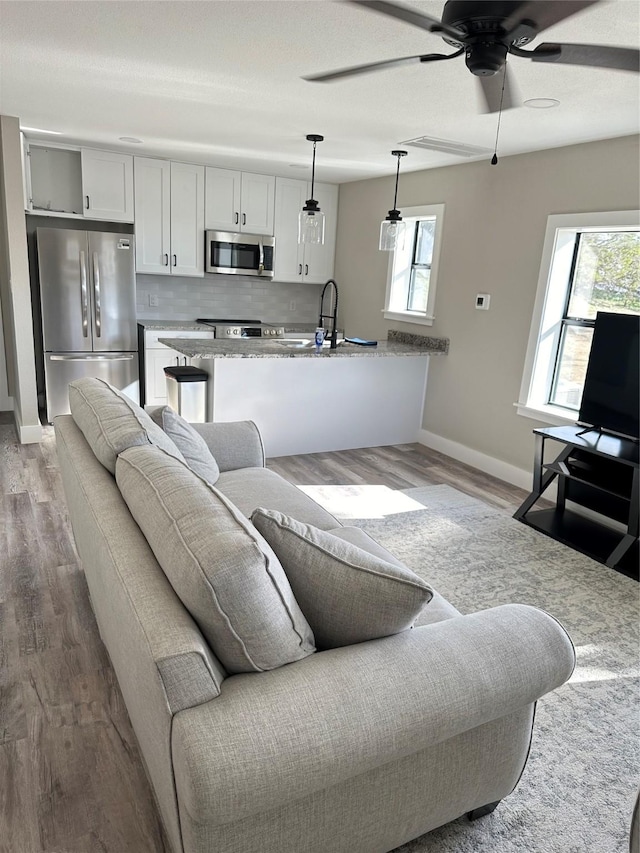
392 228
311 219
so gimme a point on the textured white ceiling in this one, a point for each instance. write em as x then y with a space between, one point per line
220 82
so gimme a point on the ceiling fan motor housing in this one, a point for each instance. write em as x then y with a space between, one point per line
486 43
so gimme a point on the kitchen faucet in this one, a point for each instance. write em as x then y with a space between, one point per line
333 317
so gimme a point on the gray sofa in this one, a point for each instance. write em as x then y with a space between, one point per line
356 749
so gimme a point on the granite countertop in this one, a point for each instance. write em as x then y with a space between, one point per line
174 326
399 344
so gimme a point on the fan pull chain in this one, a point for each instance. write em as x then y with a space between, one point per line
494 159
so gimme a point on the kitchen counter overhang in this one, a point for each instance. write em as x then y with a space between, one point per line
399 344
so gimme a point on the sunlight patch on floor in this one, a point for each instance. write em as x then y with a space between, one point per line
361 501
587 668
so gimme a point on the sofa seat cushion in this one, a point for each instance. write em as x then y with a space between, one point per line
249 488
439 608
348 595
111 422
221 568
190 443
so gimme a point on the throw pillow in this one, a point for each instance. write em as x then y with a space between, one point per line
190 443
110 421
347 594
221 568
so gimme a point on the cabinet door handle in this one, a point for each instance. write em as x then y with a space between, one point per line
299 269
244 218
166 259
175 260
88 205
237 218
306 269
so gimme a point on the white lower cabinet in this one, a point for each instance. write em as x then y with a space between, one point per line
309 263
157 356
169 221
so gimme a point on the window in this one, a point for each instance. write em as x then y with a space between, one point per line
590 263
413 267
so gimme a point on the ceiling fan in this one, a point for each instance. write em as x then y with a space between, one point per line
486 31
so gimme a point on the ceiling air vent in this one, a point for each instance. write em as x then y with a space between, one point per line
446 146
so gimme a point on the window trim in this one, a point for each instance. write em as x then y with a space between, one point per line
423 318
549 307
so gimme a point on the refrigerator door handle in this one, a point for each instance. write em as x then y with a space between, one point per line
96 294
84 296
91 357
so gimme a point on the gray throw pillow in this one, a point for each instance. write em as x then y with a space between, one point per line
190 443
221 568
111 422
347 594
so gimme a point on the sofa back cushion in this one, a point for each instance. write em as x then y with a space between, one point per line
111 422
190 443
222 569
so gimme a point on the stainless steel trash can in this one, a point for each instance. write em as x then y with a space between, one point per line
187 392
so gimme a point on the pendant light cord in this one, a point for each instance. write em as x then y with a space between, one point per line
494 159
395 195
313 167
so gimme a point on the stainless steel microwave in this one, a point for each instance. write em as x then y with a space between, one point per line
239 254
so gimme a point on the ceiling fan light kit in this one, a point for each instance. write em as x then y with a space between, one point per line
311 218
393 228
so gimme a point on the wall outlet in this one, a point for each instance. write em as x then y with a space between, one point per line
154 300
292 306
482 301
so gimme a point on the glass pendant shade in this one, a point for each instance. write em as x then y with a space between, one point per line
311 226
392 233
392 229
311 218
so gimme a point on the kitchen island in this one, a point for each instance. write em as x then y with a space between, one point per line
303 402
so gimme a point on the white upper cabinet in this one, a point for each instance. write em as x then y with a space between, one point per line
308 263
239 201
107 185
153 215
187 219
169 223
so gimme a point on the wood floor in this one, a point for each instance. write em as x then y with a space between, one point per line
71 779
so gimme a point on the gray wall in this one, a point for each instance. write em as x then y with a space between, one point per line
494 224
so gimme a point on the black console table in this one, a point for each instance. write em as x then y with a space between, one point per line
597 471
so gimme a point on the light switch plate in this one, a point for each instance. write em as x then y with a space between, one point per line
482 301
154 301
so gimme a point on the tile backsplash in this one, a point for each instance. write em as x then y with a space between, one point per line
226 296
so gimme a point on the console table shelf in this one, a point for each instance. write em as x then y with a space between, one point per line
599 472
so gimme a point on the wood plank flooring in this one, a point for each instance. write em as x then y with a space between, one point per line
71 778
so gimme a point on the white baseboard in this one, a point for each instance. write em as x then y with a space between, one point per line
504 471
27 433
482 461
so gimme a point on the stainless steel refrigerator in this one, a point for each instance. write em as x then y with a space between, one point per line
88 299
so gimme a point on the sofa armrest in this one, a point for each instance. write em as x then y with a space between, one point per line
237 444
273 737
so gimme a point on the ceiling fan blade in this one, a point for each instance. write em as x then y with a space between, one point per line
410 16
544 13
374 66
598 55
491 88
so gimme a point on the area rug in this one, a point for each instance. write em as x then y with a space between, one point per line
577 792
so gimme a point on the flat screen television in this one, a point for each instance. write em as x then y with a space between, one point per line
610 399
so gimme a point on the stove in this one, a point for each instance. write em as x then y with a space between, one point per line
238 330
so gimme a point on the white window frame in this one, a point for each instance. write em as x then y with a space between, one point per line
399 268
551 296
